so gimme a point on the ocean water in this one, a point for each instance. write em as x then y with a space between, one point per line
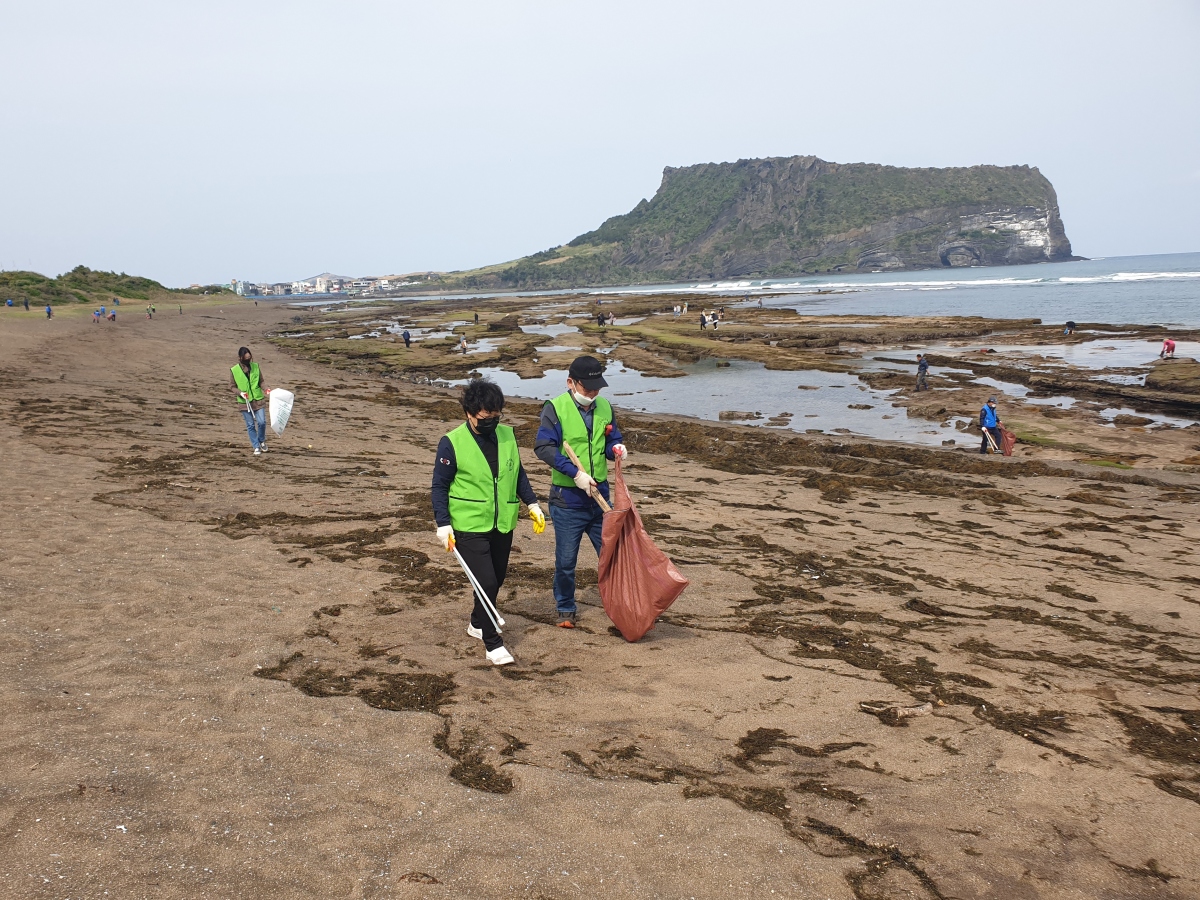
1141 290
1126 290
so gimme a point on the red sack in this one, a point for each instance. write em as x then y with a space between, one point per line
1008 440
637 581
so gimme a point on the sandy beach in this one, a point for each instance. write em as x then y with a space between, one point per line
898 671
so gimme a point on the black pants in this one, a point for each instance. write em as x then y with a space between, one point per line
995 432
486 554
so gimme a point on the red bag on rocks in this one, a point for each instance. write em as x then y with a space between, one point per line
637 581
1008 440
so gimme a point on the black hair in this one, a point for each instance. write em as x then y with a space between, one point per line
242 351
482 394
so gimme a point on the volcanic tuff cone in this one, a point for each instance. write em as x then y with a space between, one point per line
791 216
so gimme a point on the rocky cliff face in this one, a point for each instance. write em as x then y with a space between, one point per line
774 217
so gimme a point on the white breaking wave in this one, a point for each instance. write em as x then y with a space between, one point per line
1130 276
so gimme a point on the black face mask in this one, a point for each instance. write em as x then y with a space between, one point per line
487 426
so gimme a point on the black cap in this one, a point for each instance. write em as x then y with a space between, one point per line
589 372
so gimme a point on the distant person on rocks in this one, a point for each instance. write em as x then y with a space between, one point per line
407 338
703 322
676 310
476 318
462 345
922 372
601 319
1168 349
1069 328
246 380
582 418
477 482
989 424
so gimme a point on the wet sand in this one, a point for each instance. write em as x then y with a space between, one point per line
897 672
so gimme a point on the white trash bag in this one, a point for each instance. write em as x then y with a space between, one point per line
281 409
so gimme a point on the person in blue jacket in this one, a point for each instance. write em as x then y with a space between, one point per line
585 420
989 424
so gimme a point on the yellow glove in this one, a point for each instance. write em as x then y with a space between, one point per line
539 520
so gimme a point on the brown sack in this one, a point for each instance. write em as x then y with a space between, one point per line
1008 440
637 581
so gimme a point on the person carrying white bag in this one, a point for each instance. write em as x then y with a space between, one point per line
246 380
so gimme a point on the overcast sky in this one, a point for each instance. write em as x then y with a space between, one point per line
199 142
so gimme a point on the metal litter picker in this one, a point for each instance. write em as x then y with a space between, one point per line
488 607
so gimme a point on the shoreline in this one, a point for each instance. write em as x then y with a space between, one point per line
527 340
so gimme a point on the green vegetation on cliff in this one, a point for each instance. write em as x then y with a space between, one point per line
84 285
802 215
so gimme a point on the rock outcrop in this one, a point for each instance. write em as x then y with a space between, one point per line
802 215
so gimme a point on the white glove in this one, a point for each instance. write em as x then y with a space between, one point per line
584 481
619 451
243 395
445 534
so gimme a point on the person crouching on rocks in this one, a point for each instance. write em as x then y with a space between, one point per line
477 483
246 380
989 424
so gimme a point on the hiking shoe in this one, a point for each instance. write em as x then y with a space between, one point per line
499 657
474 632
257 451
566 620
262 447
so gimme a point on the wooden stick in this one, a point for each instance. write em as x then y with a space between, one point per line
594 492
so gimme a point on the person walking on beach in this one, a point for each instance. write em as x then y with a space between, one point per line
246 380
462 345
476 318
922 372
703 322
1168 349
989 424
26 304
477 480
407 338
49 312
582 418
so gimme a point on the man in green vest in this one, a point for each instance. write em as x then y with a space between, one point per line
246 380
478 483
583 419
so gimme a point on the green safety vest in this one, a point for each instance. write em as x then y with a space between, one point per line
251 385
574 431
479 501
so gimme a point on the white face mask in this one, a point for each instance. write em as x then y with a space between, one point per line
582 399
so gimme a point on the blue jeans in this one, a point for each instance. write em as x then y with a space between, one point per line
258 435
570 525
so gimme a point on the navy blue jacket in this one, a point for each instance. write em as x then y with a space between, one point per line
549 439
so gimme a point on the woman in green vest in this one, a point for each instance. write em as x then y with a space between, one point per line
246 380
478 486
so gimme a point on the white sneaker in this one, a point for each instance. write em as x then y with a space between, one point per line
474 632
263 447
257 451
499 657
